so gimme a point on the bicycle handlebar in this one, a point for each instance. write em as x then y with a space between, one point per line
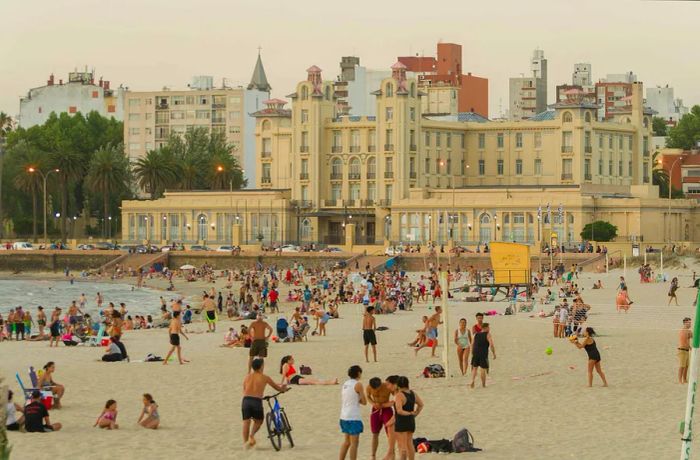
267 398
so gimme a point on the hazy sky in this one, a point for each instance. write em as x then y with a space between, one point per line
147 44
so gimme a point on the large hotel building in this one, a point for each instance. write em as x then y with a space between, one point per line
406 176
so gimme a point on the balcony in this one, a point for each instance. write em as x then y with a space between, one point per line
337 149
367 203
413 147
266 180
162 106
266 154
303 176
371 148
218 106
388 147
218 121
354 148
330 203
567 176
371 175
354 176
587 177
413 175
567 149
349 203
336 176
646 152
304 149
588 149
305 203
385 203
388 174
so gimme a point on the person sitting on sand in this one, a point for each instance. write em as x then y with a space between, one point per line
14 415
622 300
36 416
598 285
46 383
290 376
108 417
149 418
232 339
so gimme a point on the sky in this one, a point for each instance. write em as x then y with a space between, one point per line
148 44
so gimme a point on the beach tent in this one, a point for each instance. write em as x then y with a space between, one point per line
188 267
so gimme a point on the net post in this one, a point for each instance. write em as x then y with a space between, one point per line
692 386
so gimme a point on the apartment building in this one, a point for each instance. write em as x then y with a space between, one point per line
528 94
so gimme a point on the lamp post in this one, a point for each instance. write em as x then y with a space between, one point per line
32 170
670 189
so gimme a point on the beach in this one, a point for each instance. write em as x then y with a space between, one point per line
535 406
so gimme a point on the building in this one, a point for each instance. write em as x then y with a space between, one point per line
442 76
662 100
79 94
683 168
151 117
564 92
583 75
528 95
405 176
354 86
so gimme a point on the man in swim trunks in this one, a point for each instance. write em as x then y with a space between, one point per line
174 330
259 332
684 336
431 331
209 313
382 415
251 406
369 324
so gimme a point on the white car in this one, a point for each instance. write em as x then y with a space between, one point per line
224 249
393 251
22 246
289 248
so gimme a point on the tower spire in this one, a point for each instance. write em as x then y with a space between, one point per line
259 79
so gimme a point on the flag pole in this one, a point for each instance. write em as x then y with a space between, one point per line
692 386
445 323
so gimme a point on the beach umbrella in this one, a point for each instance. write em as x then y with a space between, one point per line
188 267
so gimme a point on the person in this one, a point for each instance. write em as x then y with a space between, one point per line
480 353
408 406
684 336
352 397
290 376
369 324
55 327
36 416
12 420
252 404
108 417
479 322
591 348
113 353
431 332
382 415
46 383
209 310
41 321
672 291
598 285
149 417
259 332
463 340
175 330
622 300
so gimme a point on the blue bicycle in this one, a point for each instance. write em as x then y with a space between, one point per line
277 423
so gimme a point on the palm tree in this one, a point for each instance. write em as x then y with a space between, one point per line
108 174
155 172
71 169
7 124
29 157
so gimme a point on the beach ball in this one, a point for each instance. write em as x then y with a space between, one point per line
423 448
274 338
549 350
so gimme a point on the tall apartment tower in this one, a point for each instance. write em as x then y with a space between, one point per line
528 95
583 75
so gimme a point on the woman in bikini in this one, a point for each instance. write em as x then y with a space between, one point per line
290 376
108 417
149 417
591 348
463 340
47 383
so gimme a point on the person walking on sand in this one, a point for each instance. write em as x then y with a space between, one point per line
480 353
672 291
259 332
591 348
252 404
175 330
369 325
622 301
431 331
352 396
463 340
209 312
684 336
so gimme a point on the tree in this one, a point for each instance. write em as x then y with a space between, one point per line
659 176
658 126
7 124
599 231
108 174
156 171
71 169
686 134
29 157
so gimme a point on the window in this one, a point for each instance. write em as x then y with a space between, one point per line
355 140
372 140
463 168
620 143
462 140
267 145
448 139
412 166
519 167
304 93
371 191
189 100
427 165
178 100
355 168
389 165
371 167
134 131
629 143
336 192
355 191
587 169
482 140
266 171
587 140
610 167
610 142
412 112
619 168
389 113
427 138
600 141
500 167
134 116
234 129
499 140
567 168
566 139
305 166
567 117
202 114
629 169
234 100
177 115
304 116
538 140
148 131
482 167
449 166
134 146
588 117
538 167
388 191
337 139
412 139
519 140
437 139
305 140
389 137
645 146
600 166
134 102
235 115
389 90
646 172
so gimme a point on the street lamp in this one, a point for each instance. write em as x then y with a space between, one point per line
670 188
32 170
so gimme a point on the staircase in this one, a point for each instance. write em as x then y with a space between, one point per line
136 261
376 263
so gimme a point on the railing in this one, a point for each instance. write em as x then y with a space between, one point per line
304 149
567 149
413 147
588 177
337 149
588 149
336 176
218 106
371 175
354 148
162 107
349 203
389 147
266 180
388 175
305 203
330 203
367 203
266 154
303 176
385 203
371 148
413 174
354 176
567 176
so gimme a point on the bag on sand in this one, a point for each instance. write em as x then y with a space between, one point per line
464 442
434 371
304 370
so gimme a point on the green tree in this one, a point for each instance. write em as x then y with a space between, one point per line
686 133
156 171
658 126
27 156
71 168
599 230
659 176
7 124
108 175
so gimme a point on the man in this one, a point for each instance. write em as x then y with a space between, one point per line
480 353
36 417
369 324
431 331
273 296
479 323
382 415
352 396
209 312
251 406
175 330
259 332
684 336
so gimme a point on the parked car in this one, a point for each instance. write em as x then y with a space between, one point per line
289 248
143 249
86 247
126 247
199 247
225 248
105 246
393 251
172 247
22 246
331 249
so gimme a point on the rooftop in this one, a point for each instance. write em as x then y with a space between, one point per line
462 117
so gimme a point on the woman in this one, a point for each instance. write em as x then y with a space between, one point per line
463 340
47 383
591 348
408 405
623 301
672 291
14 414
290 376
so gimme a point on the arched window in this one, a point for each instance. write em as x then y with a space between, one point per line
355 168
389 90
506 218
304 93
202 227
485 219
305 229
328 92
588 117
571 218
646 122
266 125
371 168
567 117
337 168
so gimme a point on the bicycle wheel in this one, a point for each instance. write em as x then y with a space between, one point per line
287 428
272 432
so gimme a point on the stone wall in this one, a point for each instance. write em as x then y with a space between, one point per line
54 261
243 262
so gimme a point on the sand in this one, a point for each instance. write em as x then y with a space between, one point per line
535 406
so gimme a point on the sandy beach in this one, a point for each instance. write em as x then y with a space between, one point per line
536 406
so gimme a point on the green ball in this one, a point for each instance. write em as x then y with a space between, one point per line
549 350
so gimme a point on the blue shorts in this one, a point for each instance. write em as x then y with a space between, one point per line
351 427
431 333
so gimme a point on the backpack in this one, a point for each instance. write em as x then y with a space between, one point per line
441 445
304 370
434 371
464 442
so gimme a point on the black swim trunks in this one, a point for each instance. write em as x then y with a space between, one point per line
258 348
211 315
252 408
175 340
369 337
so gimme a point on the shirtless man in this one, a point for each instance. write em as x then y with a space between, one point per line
382 415
175 330
252 406
431 331
684 336
82 300
41 322
209 313
99 300
259 332
369 324
479 323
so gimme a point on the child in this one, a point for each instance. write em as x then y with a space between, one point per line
149 417
108 417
